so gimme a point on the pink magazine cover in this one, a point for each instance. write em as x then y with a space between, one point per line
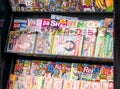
31 23
29 81
38 25
111 85
58 83
48 83
96 85
76 84
89 42
45 24
86 85
67 84
87 72
35 67
38 82
25 43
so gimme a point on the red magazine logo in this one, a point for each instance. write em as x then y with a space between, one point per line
16 25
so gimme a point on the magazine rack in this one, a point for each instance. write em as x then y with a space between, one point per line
82 15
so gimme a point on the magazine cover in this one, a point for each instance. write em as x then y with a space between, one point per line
13 36
67 84
104 84
51 68
38 82
19 67
28 81
89 42
96 72
108 52
100 47
45 24
48 83
76 84
38 25
16 25
58 83
64 44
76 71
96 85
43 68
86 85
26 67
106 73
87 72
25 43
43 43
53 16
13 81
23 24
31 23
35 67
57 69
111 85
66 70
21 82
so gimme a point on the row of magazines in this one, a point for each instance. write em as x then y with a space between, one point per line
62 5
37 74
62 35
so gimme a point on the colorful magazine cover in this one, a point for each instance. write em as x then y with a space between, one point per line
66 70
58 83
43 43
96 72
86 84
87 72
21 82
25 43
51 68
43 68
13 81
100 47
76 84
23 24
104 84
76 71
35 67
45 24
67 84
57 70
48 83
96 85
38 25
16 25
38 82
19 66
13 36
89 42
109 24
64 44
26 67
